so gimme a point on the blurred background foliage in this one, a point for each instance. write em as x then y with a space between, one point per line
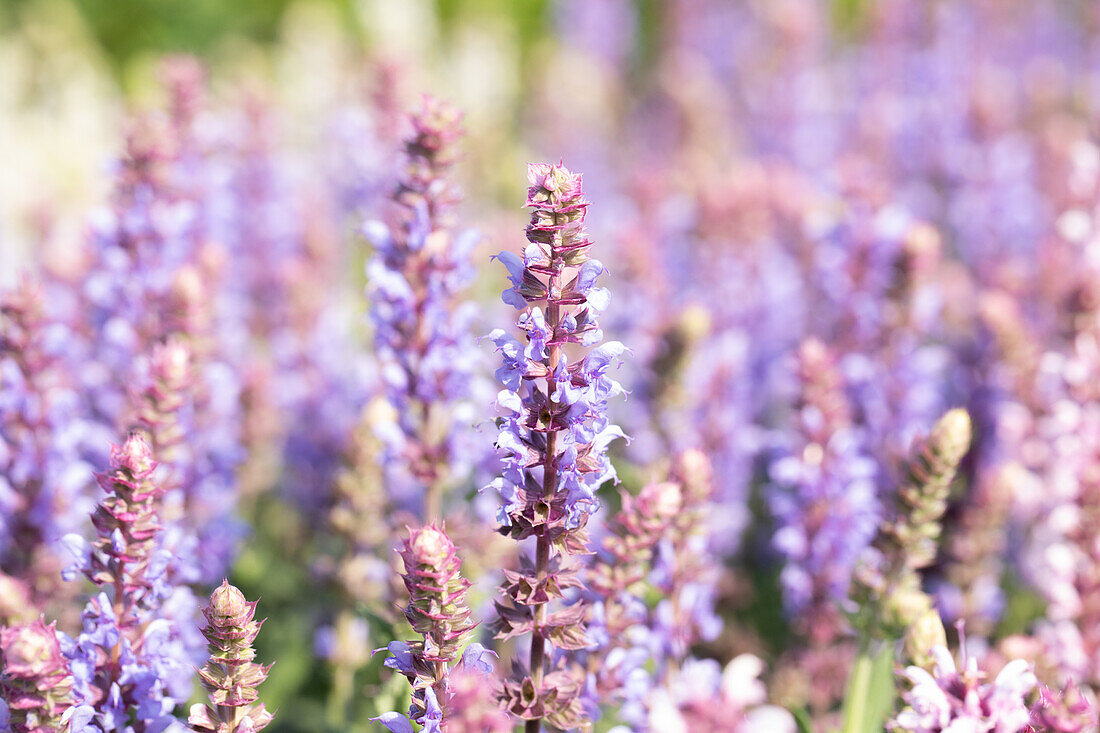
130 31
73 69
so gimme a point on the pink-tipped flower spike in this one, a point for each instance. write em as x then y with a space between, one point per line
159 402
230 676
554 433
126 522
422 329
618 582
437 611
127 661
659 547
35 682
628 551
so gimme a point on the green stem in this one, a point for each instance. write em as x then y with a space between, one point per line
859 687
339 698
871 693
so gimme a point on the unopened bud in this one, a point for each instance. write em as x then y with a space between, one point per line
430 546
926 632
661 500
950 437
135 455
171 362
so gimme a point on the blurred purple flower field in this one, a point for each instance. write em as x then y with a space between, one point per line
631 366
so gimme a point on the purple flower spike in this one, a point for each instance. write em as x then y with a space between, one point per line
127 524
553 438
422 329
127 663
824 500
42 481
659 541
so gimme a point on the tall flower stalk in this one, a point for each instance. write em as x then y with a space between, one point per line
886 586
421 327
824 497
657 547
553 435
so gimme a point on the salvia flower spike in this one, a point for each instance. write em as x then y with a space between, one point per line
127 524
438 612
421 325
553 437
127 663
887 584
41 496
230 676
823 497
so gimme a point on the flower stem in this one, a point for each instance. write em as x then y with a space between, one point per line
549 487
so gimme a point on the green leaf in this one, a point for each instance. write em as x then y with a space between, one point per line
803 719
871 693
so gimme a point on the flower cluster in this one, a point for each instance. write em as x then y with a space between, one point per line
42 478
553 437
230 676
628 551
948 698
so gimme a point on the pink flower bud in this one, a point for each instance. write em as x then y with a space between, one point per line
430 546
135 455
